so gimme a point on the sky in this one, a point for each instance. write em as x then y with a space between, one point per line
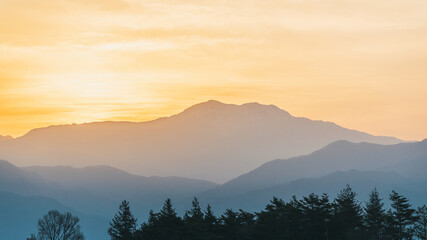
359 63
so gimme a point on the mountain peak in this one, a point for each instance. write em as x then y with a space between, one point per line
256 105
206 139
215 106
5 138
213 102
207 104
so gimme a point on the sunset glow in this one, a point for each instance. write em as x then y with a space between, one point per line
361 64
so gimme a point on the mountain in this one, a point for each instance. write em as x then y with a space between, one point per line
211 140
91 193
100 189
5 138
407 159
19 216
362 182
17 180
97 190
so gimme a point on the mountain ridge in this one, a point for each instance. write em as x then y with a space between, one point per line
210 104
407 159
362 182
199 142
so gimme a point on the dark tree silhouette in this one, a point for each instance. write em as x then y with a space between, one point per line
347 221
149 229
164 225
316 213
57 226
312 217
272 221
123 225
229 224
195 213
375 216
246 221
170 222
193 220
210 224
402 217
421 224
209 217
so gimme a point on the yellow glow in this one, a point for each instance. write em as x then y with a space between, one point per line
358 63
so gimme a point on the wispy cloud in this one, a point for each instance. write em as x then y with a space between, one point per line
360 63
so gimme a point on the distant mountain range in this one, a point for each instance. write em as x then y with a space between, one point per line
76 167
94 193
362 182
407 159
400 167
211 140
19 216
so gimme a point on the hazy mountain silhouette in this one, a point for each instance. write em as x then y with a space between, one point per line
110 186
17 180
210 140
96 190
19 216
407 159
361 181
92 193
5 138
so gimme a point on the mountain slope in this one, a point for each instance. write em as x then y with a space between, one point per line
5 138
28 193
407 159
97 190
19 216
211 140
109 186
362 183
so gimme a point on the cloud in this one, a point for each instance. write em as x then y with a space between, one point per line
108 59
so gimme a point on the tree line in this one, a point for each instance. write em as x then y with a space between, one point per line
313 217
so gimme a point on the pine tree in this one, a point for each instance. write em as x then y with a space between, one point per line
403 216
229 224
347 222
421 224
149 229
292 220
194 221
246 221
164 225
272 221
375 216
169 222
123 225
195 214
210 224
311 218
316 214
209 216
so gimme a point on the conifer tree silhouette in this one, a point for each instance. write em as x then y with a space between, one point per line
123 225
375 216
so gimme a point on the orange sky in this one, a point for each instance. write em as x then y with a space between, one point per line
359 63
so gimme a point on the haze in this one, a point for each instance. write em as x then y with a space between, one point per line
360 64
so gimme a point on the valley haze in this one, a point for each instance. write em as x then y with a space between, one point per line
213 120
93 193
229 156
